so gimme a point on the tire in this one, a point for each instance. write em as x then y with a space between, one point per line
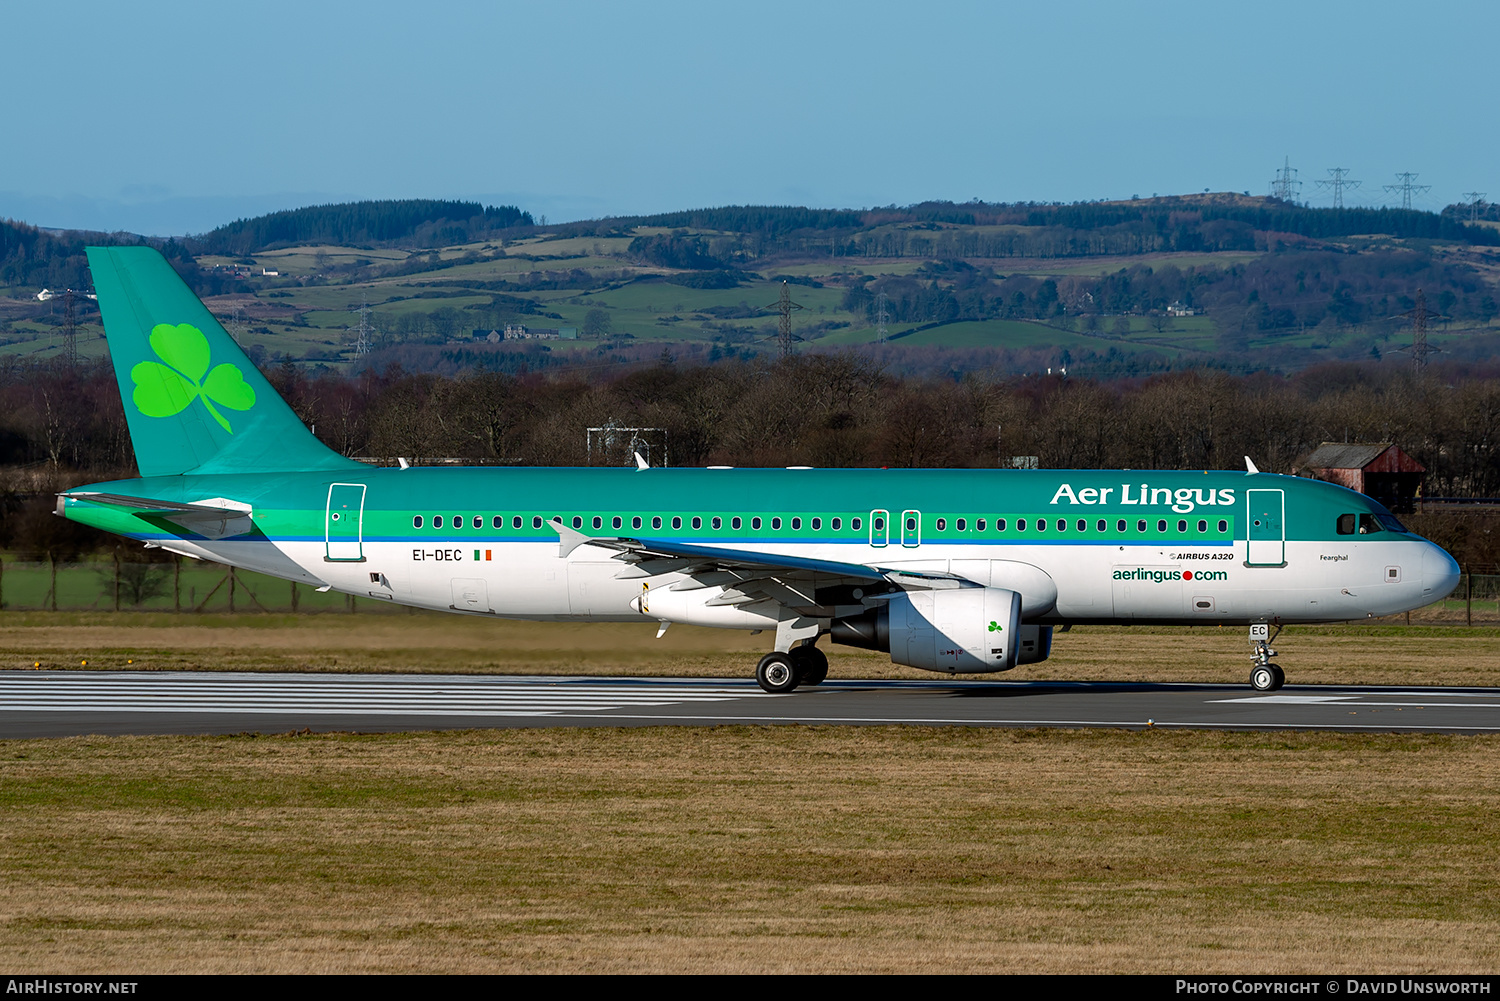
777 673
1263 678
812 664
1280 677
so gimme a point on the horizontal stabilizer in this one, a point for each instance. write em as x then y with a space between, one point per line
214 518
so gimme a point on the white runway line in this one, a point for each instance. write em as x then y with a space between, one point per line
354 695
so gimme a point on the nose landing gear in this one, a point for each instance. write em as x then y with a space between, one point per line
1264 676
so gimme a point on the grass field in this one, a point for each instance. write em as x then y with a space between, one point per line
435 642
750 850
744 849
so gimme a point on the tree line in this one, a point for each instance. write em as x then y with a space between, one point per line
418 222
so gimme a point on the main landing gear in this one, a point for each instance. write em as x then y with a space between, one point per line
1264 676
779 673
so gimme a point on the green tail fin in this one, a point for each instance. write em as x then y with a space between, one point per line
192 399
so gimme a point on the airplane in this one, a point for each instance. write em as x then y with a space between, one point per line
959 571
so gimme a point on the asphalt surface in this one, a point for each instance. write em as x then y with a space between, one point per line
68 703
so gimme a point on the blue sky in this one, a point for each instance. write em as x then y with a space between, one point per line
171 118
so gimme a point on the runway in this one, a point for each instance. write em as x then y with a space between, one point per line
70 703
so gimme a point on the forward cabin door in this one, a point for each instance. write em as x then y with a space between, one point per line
1265 528
344 523
911 529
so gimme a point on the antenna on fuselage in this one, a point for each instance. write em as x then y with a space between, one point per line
1250 466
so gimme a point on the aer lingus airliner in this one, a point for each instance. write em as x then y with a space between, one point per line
959 571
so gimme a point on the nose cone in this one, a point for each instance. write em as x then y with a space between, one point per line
1439 573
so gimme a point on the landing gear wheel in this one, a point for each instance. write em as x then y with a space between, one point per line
777 673
1266 678
812 664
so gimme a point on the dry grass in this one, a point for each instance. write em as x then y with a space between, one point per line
749 849
1378 654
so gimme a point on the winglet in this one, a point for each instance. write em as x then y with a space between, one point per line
641 463
568 539
1250 466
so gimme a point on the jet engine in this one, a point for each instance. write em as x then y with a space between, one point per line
969 630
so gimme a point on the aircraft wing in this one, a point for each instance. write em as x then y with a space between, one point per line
807 586
213 518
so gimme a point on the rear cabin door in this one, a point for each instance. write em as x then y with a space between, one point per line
344 523
1265 525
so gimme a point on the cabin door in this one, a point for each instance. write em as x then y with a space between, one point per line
880 528
911 529
344 523
1265 528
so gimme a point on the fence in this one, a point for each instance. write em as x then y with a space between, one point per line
183 585
193 586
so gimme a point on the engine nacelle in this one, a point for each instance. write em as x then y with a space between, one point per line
969 630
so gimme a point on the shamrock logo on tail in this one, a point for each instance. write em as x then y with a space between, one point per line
995 627
164 390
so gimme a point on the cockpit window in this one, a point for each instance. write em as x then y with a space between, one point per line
1369 525
1389 522
1346 524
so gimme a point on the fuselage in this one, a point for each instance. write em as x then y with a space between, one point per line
1174 547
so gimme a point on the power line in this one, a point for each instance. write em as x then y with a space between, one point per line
1474 200
1337 182
363 331
785 305
1406 187
1286 186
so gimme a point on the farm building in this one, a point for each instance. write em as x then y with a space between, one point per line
1377 469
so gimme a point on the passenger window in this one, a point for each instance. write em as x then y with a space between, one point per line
498 521
854 523
837 524
478 521
1223 525
697 522
879 524
775 524
616 522
598 521
911 524
577 521
416 522
755 524
1020 524
1182 524
656 522
942 523
458 521
1345 524
979 524
515 522
817 524
676 522
1140 526
1083 526
735 522
1000 525
796 524
1202 527
962 525
1103 525
1062 524
635 522
1120 525
1161 524
718 523
1041 524
437 521
536 521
